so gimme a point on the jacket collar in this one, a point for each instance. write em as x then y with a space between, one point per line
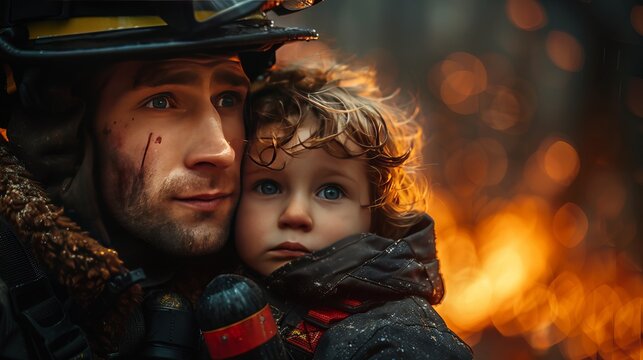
365 266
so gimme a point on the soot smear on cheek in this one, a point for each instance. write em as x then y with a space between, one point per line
112 137
147 147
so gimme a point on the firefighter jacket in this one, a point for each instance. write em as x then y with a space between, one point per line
365 297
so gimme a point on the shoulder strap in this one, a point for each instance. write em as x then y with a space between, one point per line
40 314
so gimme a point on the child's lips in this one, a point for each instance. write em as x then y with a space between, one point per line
289 249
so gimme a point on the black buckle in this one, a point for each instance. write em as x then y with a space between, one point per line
121 282
42 315
114 287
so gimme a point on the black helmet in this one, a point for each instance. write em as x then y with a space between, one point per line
37 31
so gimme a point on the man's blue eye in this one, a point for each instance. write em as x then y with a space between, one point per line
267 187
330 192
228 99
159 102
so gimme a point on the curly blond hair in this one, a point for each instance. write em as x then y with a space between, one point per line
348 109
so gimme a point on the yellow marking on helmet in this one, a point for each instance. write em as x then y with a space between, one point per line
84 25
259 15
203 15
11 82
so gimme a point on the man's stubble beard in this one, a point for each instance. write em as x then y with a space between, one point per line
143 214
164 233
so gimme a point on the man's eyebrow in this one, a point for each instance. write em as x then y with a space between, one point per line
230 77
166 73
162 75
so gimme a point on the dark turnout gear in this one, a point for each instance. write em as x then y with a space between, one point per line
88 272
365 297
50 52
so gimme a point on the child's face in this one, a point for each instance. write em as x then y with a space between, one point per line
314 201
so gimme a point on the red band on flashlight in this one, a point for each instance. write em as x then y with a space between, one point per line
242 336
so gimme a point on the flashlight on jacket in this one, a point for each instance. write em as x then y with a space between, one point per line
170 327
236 321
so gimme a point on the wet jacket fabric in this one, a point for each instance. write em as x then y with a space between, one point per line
365 297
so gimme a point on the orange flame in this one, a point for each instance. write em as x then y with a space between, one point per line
522 268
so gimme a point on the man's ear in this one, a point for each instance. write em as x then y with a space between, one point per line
80 196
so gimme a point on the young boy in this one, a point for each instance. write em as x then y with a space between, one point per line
331 220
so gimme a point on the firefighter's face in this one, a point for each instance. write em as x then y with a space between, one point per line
170 135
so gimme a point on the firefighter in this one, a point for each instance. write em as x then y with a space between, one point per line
120 167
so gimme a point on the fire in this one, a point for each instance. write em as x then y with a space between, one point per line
510 271
520 260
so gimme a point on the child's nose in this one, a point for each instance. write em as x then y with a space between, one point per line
296 216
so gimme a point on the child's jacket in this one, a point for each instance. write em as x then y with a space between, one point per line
365 297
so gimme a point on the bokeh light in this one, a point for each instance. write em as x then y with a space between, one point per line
526 14
636 17
607 194
552 167
478 164
561 162
570 225
460 78
565 51
504 110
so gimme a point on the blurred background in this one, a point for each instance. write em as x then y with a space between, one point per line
533 116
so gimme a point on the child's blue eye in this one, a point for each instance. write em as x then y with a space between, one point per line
331 192
267 187
158 102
